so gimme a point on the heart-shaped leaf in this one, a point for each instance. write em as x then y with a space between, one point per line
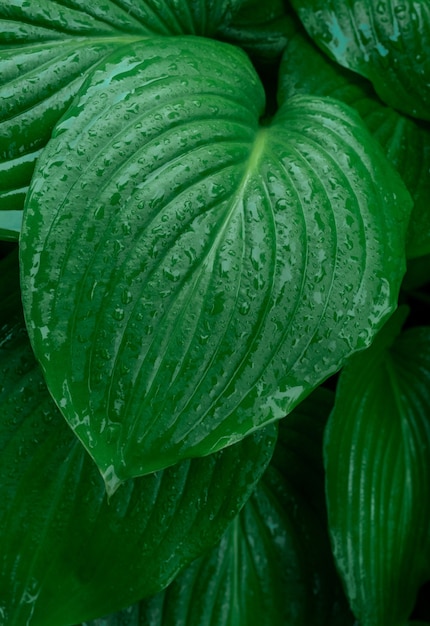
48 46
387 41
67 553
273 566
189 276
406 142
377 456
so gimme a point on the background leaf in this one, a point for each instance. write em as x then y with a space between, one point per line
189 276
377 456
67 553
47 48
273 566
406 142
387 41
262 29
10 225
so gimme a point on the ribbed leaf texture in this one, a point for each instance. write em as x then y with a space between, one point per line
188 275
67 553
262 29
47 48
377 456
273 566
406 142
387 41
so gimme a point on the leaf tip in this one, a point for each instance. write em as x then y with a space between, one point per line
111 480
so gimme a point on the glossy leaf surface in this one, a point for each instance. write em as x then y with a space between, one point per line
406 142
387 41
48 46
273 566
67 553
10 225
189 276
377 455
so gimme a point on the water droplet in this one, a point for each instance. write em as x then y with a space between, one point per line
126 296
401 11
217 190
99 212
118 314
244 308
171 274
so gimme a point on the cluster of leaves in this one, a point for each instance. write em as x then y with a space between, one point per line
207 209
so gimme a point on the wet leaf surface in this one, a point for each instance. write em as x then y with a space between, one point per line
189 275
406 142
67 552
387 41
377 457
47 47
273 565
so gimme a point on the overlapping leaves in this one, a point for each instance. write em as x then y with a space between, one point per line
406 142
188 275
273 566
378 465
67 553
262 29
46 49
387 41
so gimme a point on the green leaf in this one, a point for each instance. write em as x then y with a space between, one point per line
377 456
262 29
47 48
67 553
417 274
387 41
189 276
10 225
273 566
38 80
406 142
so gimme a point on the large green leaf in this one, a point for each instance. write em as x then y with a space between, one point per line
46 49
273 566
67 553
388 41
406 142
189 276
377 455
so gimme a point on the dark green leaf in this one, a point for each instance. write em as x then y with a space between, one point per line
273 566
262 29
48 46
67 553
406 142
189 276
387 41
377 455
417 274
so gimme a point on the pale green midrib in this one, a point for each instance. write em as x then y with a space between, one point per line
250 167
